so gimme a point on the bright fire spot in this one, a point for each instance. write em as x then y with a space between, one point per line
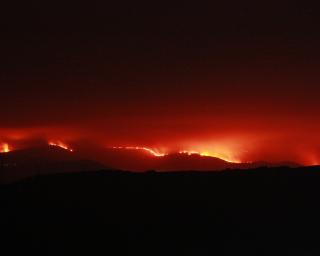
209 154
149 150
4 148
60 145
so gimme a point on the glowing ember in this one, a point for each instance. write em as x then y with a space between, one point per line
149 150
60 145
4 148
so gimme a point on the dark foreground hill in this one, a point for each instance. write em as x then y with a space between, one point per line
28 162
272 211
20 164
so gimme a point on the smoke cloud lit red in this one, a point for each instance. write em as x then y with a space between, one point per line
241 84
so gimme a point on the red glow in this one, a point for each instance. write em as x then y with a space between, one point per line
60 145
237 145
209 154
149 150
157 153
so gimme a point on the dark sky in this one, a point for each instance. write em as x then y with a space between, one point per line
237 77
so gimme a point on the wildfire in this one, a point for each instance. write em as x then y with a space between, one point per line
60 145
149 150
209 154
156 153
4 148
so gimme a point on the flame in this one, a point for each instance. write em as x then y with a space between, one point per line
209 154
217 155
4 148
60 145
188 152
149 150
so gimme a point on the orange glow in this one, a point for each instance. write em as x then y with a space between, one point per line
217 155
60 145
313 160
209 154
232 146
5 148
188 152
149 150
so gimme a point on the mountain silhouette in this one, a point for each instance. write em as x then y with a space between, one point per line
141 160
176 162
40 161
52 159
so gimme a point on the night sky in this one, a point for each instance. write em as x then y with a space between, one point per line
237 78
